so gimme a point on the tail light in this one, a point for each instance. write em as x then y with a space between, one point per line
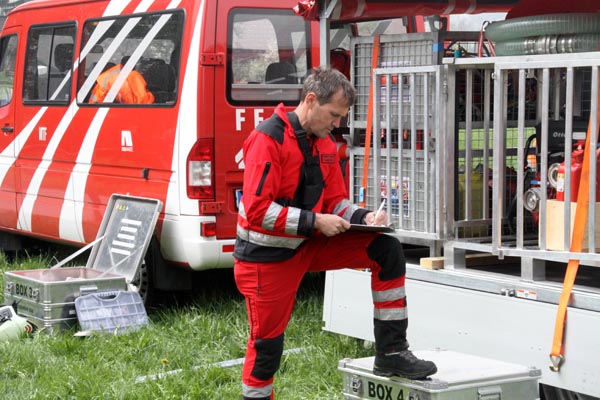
200 163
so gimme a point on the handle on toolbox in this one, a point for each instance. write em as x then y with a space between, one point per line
113 294
490 393
108 295
88 289
93 289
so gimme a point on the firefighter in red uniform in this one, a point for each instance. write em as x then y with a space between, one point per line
291 219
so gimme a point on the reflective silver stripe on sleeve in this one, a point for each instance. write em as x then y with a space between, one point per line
389 295
262 239
292 221
256 392
242 233
349 207
390 314
271 216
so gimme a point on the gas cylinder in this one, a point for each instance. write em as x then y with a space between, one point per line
576 166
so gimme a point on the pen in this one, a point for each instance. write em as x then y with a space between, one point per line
379 210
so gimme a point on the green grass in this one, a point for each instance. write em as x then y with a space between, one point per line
186 335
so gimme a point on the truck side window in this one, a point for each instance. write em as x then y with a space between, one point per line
130 60
268 56
48 64
8 55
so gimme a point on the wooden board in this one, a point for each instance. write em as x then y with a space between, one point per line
471 260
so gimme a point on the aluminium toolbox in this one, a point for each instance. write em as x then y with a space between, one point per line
46 297
460 377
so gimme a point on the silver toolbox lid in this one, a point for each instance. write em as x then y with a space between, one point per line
454 370
60 275
126 228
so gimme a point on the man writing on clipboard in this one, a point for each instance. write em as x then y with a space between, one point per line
294 207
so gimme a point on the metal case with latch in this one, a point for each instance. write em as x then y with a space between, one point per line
46 297
459 377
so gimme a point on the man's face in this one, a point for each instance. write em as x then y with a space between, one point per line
323 118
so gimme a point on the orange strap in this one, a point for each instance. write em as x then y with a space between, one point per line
581 213
482 40
363 188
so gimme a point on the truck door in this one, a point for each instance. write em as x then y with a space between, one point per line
267 55
8 63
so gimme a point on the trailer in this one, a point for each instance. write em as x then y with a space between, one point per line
476 157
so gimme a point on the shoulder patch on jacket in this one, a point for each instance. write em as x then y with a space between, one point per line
328 158
273 127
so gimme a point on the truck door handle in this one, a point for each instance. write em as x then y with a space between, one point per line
8 129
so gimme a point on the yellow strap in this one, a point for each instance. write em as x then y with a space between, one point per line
365 178
581 213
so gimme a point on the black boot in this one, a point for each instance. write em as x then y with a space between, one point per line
403 364
392 357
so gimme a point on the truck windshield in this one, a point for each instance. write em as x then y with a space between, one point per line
8 50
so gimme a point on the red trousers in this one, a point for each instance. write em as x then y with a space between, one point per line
270 291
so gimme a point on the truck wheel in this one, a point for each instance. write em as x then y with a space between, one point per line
142 283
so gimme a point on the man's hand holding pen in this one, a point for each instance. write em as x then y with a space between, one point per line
378 217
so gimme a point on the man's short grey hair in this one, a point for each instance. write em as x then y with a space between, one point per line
325 82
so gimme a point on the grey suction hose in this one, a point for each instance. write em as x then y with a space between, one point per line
546 34
538 25
550 44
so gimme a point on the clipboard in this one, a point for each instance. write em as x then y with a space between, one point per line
370 228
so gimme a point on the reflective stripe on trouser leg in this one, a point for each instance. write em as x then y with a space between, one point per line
249 393
390 304
389 296
390 318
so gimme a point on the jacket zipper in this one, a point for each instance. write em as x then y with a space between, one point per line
263 178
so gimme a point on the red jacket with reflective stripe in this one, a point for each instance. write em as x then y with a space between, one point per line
267 230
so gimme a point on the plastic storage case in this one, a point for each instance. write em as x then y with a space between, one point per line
112 312
46 297
460 376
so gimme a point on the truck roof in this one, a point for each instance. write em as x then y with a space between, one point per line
366 10
35 4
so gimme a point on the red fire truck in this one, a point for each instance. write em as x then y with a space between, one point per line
214 70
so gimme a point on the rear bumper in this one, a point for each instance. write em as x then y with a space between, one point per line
181 242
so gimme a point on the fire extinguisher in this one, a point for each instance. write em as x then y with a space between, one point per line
576 166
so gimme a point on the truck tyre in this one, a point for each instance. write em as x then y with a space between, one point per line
143 280
141 283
